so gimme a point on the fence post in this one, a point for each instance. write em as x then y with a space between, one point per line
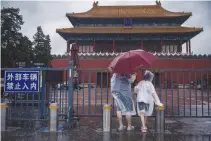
53 117
107 117
160 120
70 92
4 107
43 93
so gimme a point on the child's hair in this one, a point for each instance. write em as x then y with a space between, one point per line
148 76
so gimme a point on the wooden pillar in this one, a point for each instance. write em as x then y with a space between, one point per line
161 45
180 50
186 46
142 44
76 44
73 51
189 47
68 46
68 50
94 46
114 46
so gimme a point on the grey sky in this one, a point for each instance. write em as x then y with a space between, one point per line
51 15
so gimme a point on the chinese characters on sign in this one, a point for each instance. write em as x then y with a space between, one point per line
21 81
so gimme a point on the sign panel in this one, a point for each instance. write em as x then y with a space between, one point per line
22 81
128 22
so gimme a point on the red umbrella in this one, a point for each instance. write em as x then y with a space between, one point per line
129 62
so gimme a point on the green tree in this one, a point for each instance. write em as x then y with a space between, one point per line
48 49
11 23
14 46
25 51
42 47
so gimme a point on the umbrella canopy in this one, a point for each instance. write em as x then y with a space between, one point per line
129 62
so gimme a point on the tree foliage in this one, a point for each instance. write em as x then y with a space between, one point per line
25 51
11 23
42 47
48 49
15 47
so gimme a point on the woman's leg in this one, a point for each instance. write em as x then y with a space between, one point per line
129 123
128 117
129 108
119 116
118 113
124 103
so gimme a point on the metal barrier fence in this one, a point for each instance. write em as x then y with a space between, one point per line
184 92
35 106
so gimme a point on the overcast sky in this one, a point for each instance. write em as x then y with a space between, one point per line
51 15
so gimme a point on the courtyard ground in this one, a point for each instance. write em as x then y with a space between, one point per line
89 129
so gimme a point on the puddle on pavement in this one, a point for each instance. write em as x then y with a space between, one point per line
89 132
92 135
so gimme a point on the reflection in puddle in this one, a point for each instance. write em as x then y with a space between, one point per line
106 136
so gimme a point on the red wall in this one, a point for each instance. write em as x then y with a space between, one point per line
182 63
160 63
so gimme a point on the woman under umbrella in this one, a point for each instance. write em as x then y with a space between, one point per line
121 92
123 66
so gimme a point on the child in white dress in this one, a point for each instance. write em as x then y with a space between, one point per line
146 97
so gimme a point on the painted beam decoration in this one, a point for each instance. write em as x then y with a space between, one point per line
22 81
91 37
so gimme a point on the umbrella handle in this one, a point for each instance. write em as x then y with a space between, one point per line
110 68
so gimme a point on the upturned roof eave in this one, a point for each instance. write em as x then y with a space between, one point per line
78 16
129 31
136 14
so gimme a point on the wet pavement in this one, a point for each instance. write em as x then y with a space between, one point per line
90 129
92 136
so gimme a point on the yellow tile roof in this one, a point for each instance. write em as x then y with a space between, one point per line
127 11
154 29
